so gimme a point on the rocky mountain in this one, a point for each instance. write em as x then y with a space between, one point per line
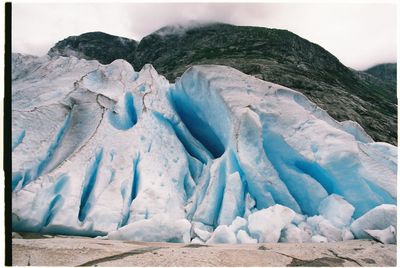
273 55
386 72
95 46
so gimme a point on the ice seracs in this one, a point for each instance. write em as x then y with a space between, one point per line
216 157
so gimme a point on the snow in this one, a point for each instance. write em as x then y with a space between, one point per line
217 157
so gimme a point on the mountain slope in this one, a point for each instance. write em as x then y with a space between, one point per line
95 45
284 58
217 157
386 72
281 57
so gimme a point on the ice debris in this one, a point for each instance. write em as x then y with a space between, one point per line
379 218
266 224
223 234
158 228
385 236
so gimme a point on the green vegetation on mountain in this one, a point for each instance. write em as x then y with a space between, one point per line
386 72
95 46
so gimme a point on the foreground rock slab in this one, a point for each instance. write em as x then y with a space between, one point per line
37 250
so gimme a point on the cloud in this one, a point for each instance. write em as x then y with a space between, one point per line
359 34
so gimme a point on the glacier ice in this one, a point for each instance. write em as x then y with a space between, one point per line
336 210
201 231
378 218
266 224
331 232
159 228
238 224
222 234
216 157
244 238
319 239
197 240
347 234
293 234
386 236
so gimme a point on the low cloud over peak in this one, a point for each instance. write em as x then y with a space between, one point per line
359 34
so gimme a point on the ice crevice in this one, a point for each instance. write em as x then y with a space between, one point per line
204 160
56 201
191 145
129 193
198 127
306 189
68 133
18 140
88 185
263 181
31 174
53 147
126 118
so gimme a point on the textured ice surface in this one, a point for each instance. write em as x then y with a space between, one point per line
336 210
217 157
379 218
386 236
266 224
319 239
238 224
222 234
158 228
244 238
201 231
293 234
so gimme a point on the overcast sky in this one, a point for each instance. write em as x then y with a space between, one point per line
359 34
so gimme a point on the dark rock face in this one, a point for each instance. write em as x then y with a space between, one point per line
95 46
386 72
274 55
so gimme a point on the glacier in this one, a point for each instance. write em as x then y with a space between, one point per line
216 157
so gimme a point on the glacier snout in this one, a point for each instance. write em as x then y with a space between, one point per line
104 150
